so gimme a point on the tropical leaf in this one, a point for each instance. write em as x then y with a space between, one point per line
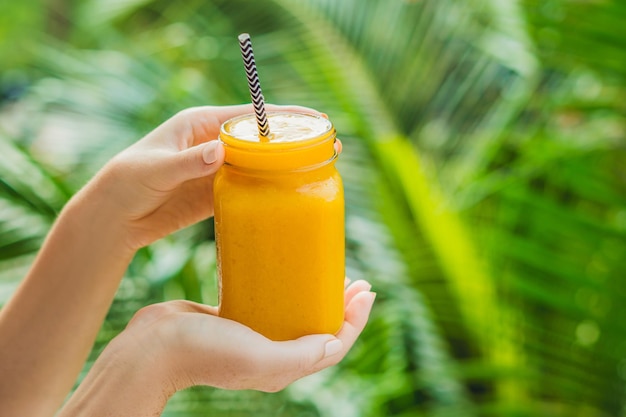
484 154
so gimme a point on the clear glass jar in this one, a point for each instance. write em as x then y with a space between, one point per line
279 225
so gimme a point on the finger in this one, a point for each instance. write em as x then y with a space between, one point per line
285 362
338 146
355 288
357 314
198 161
295 359
310 354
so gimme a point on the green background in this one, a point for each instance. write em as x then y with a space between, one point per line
484 162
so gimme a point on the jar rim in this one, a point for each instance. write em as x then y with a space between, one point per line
282 155
229 139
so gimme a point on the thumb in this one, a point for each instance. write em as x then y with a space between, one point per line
304 356
195 162
287 361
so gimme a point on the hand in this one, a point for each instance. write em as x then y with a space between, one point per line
164 182
225 354
160 184
171 346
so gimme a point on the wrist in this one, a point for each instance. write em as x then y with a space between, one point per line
96 211
128 379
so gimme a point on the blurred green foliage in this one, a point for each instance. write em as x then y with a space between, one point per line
484 168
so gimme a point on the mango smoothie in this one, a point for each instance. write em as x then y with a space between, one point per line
279 224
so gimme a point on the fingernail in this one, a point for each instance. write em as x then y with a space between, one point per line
332 347
209 154
373 297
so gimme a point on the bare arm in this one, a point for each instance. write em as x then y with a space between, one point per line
174 345
48 327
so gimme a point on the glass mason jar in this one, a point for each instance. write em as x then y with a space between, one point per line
279 227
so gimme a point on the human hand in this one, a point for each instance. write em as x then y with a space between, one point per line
171 346
164 182
225 354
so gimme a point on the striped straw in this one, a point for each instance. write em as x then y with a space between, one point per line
255 87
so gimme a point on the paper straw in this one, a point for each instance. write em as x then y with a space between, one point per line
253 84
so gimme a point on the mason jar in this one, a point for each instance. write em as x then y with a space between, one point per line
279 226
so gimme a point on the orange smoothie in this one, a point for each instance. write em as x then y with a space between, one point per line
279 225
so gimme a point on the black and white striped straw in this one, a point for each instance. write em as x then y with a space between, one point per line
253 84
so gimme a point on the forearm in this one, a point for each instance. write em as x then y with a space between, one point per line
48 328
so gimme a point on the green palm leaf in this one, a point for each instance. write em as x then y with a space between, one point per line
484 179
